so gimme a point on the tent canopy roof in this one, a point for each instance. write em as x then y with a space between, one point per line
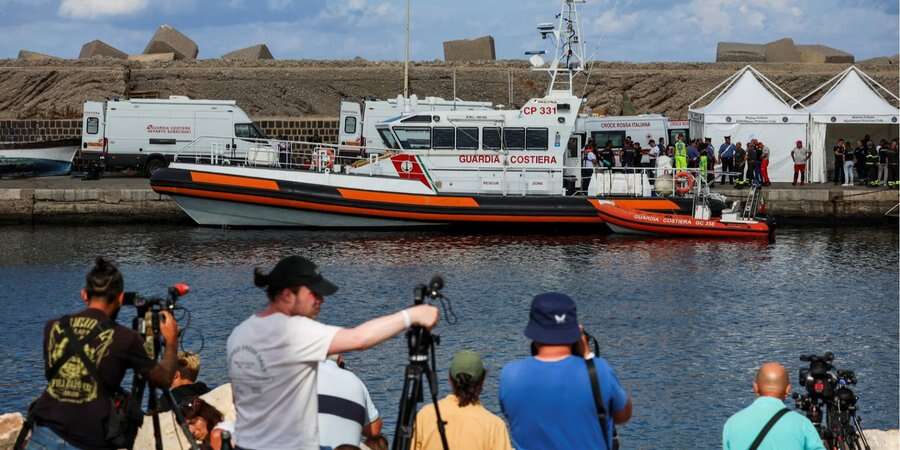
852 96
747 96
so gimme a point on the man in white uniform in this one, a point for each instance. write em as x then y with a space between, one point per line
274 355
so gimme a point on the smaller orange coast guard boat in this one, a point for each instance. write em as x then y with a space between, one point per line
737 222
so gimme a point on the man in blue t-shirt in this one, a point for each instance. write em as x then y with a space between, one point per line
547 398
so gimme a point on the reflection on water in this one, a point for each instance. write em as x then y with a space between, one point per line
684 322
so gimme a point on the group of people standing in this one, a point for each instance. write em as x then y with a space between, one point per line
867 163
289 393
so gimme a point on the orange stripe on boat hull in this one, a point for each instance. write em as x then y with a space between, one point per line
408 199
229 180
362 211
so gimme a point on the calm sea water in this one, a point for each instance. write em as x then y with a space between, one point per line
685 323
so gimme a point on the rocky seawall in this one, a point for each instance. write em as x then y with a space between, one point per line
56 89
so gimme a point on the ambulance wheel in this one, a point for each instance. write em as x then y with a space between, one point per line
154 164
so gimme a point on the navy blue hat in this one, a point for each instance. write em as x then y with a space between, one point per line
553 320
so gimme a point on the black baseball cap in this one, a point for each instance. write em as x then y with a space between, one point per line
299 271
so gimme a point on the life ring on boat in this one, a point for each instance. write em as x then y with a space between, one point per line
685 188
324 158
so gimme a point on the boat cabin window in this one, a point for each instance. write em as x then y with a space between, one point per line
467 138
248 130
388 138
616 137
563 107
514 138
93 125
490 138
420 118
350 125
443 138
536 139
414 138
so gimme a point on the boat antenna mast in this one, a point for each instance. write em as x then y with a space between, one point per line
406 59
568 59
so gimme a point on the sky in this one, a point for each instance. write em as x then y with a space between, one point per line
615 30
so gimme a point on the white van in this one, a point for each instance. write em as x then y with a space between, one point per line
615 129
357 125
147 133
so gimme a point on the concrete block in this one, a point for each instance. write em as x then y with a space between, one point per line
34 56
819 54
782 50
100 49
253 53
478 49
10 424
155 57
169 40
739 52
10 194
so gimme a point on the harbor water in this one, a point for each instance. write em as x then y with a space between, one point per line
685 323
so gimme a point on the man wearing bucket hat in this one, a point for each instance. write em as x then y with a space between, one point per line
468 424
273 356
549 399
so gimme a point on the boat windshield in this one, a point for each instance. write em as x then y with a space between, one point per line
388 139
414 138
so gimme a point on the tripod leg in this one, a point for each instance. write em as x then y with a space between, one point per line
412 386
152 406
433 388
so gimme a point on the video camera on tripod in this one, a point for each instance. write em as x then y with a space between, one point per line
421 343
146 322
828 393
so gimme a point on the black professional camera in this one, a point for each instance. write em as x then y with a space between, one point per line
818 378
828 396
140 302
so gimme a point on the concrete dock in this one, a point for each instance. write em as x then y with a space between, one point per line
68 200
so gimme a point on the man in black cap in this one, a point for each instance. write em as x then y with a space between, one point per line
273 356
548 399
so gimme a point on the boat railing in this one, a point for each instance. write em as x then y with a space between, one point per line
502 180
275 153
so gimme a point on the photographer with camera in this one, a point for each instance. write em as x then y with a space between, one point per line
86 356
767 424
274 355
562 397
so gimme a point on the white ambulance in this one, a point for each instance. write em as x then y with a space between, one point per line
145 134
357 122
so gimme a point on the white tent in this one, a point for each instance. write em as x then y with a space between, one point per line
852 98
750 106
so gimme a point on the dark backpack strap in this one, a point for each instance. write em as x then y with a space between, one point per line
71 349
79 351
771 423
598 400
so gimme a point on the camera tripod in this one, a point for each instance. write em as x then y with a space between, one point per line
148 310
421 344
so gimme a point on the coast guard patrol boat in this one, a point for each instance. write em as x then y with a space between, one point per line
518 166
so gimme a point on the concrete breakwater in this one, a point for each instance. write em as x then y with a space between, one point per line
64 200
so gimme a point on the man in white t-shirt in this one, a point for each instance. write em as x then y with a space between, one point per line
274 355
346 411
